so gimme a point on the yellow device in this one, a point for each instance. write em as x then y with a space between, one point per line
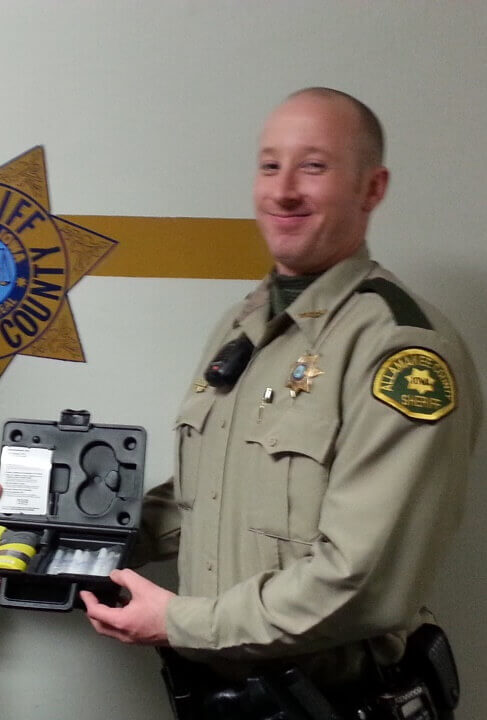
17 549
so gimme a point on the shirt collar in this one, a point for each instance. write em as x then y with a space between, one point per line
315 306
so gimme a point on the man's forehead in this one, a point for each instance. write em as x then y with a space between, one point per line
311 120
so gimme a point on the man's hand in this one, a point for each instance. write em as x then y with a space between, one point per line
143 619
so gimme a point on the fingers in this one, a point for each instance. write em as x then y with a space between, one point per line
107 615
136 585
126 578
90 600
102 617
121 577
109 631
141 620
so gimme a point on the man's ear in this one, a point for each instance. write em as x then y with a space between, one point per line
377 180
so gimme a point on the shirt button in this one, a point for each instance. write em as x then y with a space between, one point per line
273 441
209 566
214 495
223 424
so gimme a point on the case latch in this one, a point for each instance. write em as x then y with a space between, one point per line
74 420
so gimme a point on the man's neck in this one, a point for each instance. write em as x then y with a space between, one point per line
284 289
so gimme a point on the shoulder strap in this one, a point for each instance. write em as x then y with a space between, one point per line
405 310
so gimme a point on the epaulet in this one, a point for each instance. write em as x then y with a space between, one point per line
405 310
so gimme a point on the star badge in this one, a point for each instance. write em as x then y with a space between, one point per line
302 374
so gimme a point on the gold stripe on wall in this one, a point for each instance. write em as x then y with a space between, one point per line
179 247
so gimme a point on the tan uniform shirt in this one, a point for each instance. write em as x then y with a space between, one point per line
314 521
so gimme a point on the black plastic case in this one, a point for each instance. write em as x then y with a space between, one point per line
95 499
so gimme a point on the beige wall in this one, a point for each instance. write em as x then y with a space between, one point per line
152 108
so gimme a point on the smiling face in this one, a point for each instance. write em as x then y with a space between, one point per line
313 194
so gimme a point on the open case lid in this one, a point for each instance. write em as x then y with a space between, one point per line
97 474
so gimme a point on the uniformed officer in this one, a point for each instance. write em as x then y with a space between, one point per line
316 487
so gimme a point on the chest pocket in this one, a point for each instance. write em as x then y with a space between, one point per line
288 474
189 427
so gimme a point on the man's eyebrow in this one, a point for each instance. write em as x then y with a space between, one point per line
316 149
306 148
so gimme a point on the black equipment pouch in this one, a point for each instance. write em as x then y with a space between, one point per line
229 363
411 702
429 653
422 686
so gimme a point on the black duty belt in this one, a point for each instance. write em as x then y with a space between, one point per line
423 686
287 695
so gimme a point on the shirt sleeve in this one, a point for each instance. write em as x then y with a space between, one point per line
395 496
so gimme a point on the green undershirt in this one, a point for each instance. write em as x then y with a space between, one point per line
284 289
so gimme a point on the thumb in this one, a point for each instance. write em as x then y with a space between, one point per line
128 579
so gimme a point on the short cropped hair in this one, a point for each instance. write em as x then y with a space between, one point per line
374 146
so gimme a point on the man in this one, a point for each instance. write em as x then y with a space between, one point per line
316 490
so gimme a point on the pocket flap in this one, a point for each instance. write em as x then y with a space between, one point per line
194 411
295 431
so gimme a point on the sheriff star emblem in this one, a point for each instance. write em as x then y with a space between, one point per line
42 256
302 374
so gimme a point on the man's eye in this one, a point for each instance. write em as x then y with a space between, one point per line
314 166
268 167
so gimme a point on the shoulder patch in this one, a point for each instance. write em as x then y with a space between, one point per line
416 382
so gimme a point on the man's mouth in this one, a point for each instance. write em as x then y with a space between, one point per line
290 215
289 220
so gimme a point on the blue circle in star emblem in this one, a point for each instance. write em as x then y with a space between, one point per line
8 274
299 371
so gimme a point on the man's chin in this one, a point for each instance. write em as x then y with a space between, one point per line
288 265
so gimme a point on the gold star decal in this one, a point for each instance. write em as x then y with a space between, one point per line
421 381
302 374
42 257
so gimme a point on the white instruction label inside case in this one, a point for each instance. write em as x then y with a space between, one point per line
24 477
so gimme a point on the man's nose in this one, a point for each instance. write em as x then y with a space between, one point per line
286 188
